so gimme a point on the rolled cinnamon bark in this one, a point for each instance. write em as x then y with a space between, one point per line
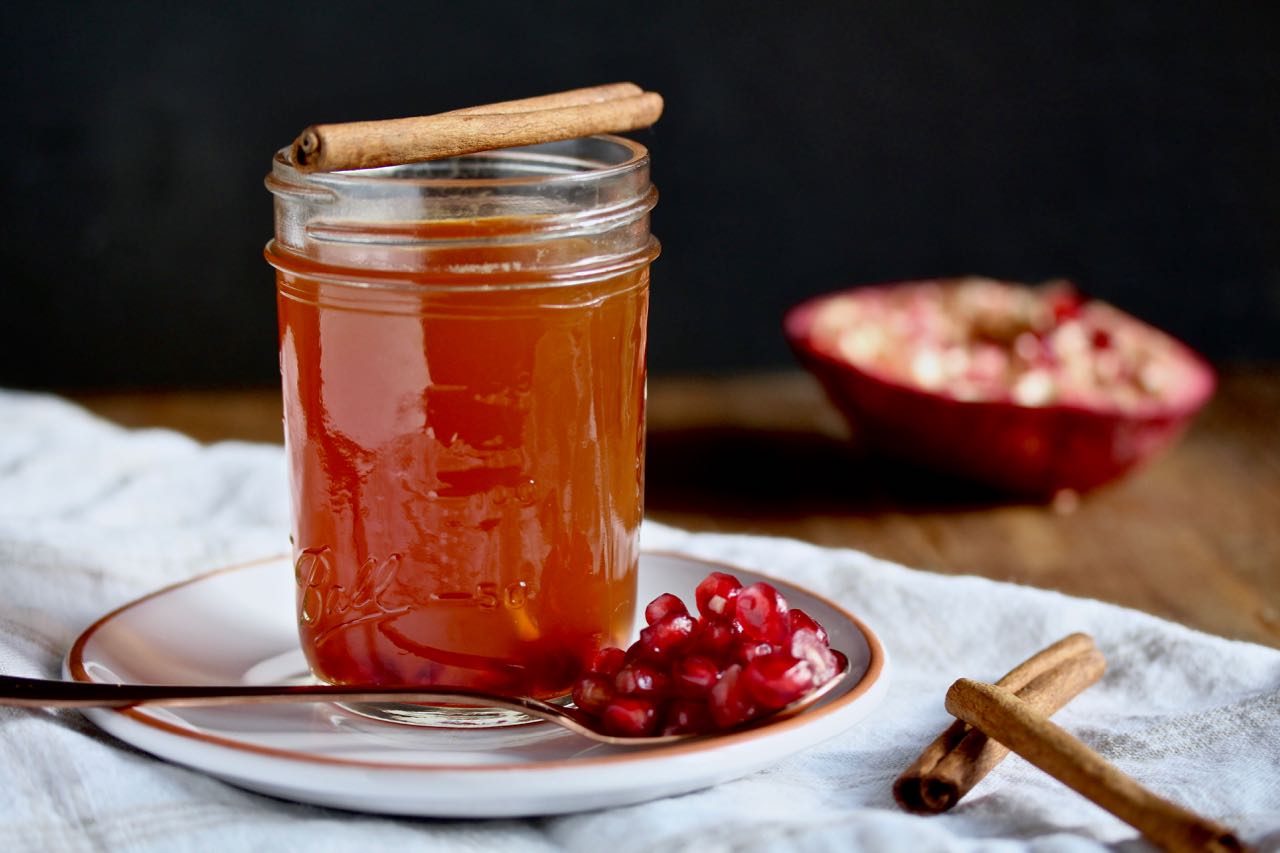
960 757
1026 731
613 108
567 98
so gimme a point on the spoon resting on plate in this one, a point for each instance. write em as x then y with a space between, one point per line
16 691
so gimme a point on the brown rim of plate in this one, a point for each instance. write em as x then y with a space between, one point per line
875 667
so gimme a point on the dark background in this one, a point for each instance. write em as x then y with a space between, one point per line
1132 146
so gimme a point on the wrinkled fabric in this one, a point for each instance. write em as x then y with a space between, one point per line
92 516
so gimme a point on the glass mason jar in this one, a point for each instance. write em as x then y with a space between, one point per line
462 348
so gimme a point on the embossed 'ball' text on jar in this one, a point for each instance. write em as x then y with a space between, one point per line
462 348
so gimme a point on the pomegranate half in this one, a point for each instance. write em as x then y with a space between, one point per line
1033 390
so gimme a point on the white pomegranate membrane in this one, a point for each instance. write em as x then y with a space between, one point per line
977 339
744 657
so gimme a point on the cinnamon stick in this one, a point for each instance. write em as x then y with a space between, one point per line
612 108
960 757
1026 731
567 98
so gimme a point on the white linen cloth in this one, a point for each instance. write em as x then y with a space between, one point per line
92 516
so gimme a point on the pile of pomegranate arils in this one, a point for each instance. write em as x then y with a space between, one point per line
983 340
746 657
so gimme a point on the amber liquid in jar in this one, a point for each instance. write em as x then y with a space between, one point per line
466 462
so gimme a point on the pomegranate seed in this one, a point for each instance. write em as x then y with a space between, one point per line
663 606
628 716
730 703
806 646
762 611
777 680
1065 303
799 619
714 639
687 717
593 692
694 676
607 661
771 656
641 679
745 651
664 638
634 652
715 595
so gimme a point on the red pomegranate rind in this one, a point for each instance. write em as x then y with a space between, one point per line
1030 450
778 679
663 606
628 716
715 595
593 692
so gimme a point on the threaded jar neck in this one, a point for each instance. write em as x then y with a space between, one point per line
559 213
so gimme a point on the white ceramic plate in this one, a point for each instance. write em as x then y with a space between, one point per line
236 626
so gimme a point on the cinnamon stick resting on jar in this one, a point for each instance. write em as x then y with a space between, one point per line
611 108
961 756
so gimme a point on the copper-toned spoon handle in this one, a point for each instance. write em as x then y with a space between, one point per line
47 693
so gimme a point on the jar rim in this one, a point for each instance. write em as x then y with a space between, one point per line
555 168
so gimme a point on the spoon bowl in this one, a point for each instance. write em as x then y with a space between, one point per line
16 691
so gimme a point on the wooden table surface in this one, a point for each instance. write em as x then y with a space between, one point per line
1194 537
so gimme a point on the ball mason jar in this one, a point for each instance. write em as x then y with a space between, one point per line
462 352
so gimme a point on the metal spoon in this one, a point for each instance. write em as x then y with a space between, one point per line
48 693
